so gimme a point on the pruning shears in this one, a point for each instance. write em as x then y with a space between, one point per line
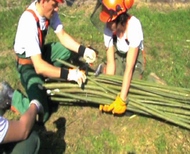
99 69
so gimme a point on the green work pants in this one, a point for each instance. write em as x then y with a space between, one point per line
121 60
29 146
33 82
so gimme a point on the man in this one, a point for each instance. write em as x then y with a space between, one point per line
16 136
36 60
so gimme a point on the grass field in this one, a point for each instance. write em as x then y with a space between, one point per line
82 129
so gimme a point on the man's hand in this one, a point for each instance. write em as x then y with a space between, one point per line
117 107
89 55
76 75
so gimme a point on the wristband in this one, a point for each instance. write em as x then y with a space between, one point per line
81 50
64 73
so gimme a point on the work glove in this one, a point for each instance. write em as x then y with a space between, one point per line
38 105
116 107
42 115
77 76
89 55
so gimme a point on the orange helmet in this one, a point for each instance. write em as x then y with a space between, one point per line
59 1
112 8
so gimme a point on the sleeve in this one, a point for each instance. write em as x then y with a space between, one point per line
55 23
108 40
135 34
27 36
3 128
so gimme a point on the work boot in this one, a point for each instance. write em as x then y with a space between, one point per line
6 93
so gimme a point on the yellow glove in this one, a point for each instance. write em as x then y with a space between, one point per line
117 107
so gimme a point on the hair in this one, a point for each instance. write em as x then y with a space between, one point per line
122 19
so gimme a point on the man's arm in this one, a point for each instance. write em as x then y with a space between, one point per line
68 41
19 130
44 68
88 54
48 70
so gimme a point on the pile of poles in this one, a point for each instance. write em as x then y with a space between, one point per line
171 104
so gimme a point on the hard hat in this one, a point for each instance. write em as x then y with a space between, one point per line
59 1
112 8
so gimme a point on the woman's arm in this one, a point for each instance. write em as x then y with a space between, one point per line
19 130
130 64
110 67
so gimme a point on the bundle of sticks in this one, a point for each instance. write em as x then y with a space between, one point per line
171 104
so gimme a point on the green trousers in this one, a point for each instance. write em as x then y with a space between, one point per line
29 146
121 64
33 82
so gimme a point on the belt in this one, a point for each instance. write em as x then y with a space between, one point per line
23 61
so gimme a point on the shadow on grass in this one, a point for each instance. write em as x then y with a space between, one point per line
53 142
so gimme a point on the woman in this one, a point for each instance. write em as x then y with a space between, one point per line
123 33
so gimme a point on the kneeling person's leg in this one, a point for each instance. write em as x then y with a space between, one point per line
54 51
32 83
30 146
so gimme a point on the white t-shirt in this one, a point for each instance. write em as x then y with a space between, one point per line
3 128
134 36
26 39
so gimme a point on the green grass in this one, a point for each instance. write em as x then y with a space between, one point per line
7 34
160 143
166 36
105 142
167 46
